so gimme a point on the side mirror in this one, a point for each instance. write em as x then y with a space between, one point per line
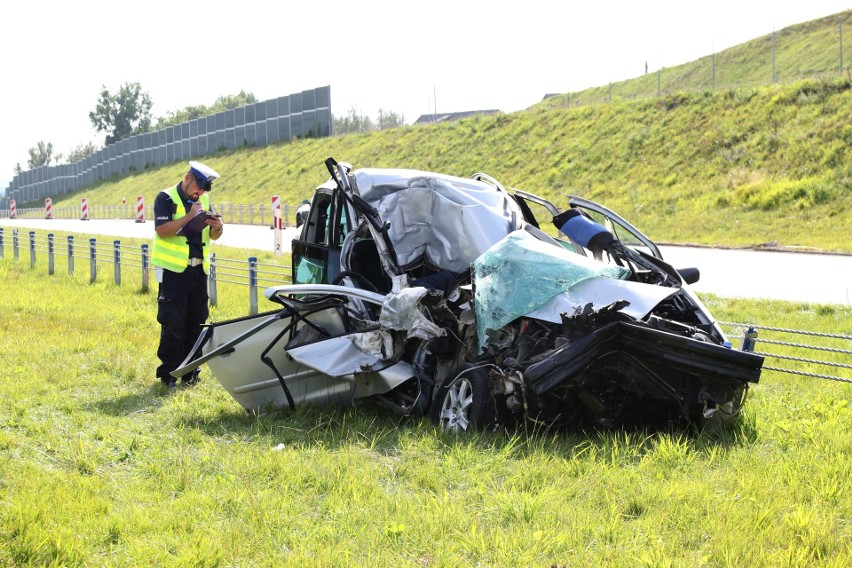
689 275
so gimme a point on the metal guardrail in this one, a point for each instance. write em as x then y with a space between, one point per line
242 213
247 272
796 354
255 276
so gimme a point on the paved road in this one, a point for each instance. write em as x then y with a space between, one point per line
818 278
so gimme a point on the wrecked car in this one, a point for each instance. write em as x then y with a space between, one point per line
450 297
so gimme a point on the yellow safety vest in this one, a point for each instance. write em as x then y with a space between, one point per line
172 253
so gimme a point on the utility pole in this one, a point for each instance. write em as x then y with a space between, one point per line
840 28
435 102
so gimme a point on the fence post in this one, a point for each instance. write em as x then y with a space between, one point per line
774 76
15 243
70 255
140 209
93 262
1 242
50 253
211 282
277 224
144 267
116 247
749 337
32 249
252 285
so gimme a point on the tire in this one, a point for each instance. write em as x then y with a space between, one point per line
465 402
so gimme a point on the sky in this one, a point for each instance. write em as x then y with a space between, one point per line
410 57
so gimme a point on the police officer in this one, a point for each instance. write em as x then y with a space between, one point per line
181 256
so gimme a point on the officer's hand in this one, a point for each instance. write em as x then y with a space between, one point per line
215 223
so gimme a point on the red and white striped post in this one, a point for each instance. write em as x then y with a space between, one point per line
13 210
140 209
48 208
277 224
84 209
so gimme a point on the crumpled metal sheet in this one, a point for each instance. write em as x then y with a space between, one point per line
401 311
520 274
445 220
601 292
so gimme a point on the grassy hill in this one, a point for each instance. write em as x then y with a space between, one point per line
802 51
733 167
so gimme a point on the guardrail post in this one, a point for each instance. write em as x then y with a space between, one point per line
50 253
211 281
93 261
252 285
749 337
15 243
70 255
1 242
116 257
144 267
32 249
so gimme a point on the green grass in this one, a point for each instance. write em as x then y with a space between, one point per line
802 51
100 466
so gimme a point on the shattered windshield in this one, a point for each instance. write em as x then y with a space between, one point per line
521 273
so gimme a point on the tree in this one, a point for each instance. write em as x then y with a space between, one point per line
124 114
81 152
42 155
353 122
192 112
389 119
233 101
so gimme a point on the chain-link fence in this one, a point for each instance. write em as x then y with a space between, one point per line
240 213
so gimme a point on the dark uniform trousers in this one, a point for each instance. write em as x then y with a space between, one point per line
181 309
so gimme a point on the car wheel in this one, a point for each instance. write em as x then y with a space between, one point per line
465 401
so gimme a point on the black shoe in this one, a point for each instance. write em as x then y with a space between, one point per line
170 385
192 378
